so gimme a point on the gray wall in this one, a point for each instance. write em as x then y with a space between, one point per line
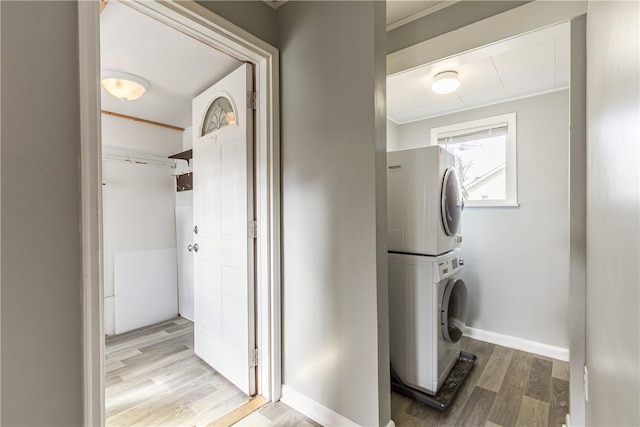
41 311
254 16
333 124
516 258
443 21
613 213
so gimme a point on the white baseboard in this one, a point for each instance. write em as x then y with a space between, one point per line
312 409
534 347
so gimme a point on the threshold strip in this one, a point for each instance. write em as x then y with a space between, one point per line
239 413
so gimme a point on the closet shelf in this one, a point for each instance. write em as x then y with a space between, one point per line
185 155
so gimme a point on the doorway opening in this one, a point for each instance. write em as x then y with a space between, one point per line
513 102
146 301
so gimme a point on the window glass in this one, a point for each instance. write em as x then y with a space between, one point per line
219 115
480 165
485 152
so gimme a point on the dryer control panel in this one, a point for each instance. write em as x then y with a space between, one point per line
449 265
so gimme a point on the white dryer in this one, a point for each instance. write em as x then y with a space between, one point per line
424 201
427 316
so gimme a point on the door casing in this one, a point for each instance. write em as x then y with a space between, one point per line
200 23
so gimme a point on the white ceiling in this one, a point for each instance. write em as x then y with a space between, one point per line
530 64
177 66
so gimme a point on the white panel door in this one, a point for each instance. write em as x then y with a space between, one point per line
223 207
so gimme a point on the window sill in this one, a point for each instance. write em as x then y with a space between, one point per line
491 205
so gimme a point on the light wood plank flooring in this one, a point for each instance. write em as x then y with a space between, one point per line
154 378
506 388
276 415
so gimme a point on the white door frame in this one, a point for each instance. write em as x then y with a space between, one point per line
211 29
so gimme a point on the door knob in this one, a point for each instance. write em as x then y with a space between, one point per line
195 229
190 248
195 247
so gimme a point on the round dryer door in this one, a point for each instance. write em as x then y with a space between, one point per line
454 310
452 203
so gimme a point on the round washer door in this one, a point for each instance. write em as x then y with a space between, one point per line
454 310
452 203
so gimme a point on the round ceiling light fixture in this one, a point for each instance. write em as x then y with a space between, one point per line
124 86
445 82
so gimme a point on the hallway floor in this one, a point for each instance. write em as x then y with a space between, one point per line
153 378
506 388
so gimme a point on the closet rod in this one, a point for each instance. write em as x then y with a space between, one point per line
138 160
137 119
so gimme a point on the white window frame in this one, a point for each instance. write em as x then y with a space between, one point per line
511 163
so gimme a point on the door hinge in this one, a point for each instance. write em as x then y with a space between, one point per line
252 100
253 229
253 358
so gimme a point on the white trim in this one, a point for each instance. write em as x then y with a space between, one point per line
520 20
91 214
420 14
529 346
314 410
209 28
202 24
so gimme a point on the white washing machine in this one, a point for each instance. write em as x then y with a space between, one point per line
424 201
427 315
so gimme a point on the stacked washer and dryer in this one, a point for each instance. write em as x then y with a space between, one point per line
427 298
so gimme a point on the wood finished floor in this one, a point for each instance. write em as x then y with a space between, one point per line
506 388
153 378
276 415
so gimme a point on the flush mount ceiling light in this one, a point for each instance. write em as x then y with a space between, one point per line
445 82
124 86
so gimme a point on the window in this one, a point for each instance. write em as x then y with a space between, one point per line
485 153
219 115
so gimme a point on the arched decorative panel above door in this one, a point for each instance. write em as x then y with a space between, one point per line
219 115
